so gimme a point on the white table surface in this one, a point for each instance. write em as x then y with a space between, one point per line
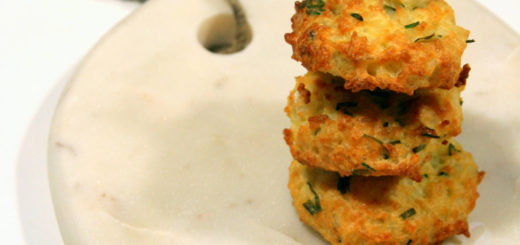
40 42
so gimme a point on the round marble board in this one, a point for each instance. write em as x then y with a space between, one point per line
157 140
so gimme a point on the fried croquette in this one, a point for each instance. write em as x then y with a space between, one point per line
374 133
396 45
361 210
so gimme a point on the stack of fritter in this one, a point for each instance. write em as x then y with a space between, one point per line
373 122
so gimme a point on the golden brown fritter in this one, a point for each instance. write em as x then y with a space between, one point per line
388 44
367 133
360 210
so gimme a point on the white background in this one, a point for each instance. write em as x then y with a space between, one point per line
40 41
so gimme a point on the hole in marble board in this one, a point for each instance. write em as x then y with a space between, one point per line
226 33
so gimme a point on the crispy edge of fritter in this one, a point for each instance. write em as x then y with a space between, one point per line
318 53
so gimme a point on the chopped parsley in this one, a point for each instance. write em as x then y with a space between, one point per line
430 135
425 175
409 242
451 149
314 7
408 213
419 148
461 102
357 16
343 184
412 25
395 142
423 39
442 173
470 41
313 207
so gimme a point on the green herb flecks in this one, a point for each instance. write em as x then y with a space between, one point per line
344 106
461 102
395 142
313 207
343 184
424 39
409 242
317 131
412 25
388 7
425 175
360 172
470 41
419 148
368 167
385 124
452 149
442 173
357 16
314 7
373 138
430 135
365 171
386 154
408 213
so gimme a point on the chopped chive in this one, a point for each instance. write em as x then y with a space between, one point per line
442 173
425 175
412 25
451 149
357 16
314 7
386 154
430 135
470 41
408 213
388 7
360 172
395 142
426 38
367 166
419 148
409 242
461 102
373 138
313 207
343 184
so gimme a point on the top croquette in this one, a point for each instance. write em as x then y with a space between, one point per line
396 45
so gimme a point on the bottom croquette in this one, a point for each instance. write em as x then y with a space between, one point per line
390 209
